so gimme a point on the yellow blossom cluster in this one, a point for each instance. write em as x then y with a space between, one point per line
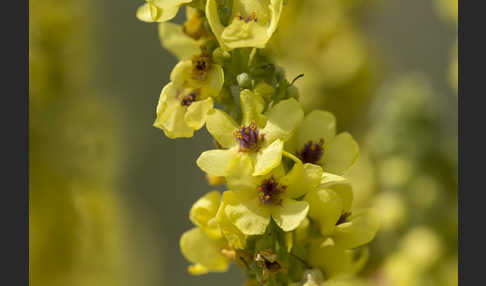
287 207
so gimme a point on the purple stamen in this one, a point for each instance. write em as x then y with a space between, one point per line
249 137
312 152
343 218
188 99
269 191
248 19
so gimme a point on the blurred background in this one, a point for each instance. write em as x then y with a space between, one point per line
110 194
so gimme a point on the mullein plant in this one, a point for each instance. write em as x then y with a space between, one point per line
285 217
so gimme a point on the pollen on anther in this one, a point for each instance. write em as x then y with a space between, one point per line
270 190
249 137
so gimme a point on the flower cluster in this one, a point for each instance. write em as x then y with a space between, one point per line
287 208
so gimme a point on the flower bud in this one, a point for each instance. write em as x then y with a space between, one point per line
219 55
244 80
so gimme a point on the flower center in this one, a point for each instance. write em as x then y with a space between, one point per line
343 218
200 66
249 137
189 99
312 152
269 192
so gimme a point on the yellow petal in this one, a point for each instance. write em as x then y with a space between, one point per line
159 10
360 229
340 154
290 213
326 206
302 231
222 127
247 214
268 158
214 82
198 248
170 114
203 211
239 176
341 186
275 10
302 179
197 113
214 22
180 72
197 269
148 12
329 179
252 106
235 237
172 38
240 33
181 75
345 191
216 162
316 125
330 258
283 118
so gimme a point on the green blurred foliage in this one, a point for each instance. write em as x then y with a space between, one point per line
325 41
77 222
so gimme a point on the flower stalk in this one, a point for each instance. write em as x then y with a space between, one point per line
286 216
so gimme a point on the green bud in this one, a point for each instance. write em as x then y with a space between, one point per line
219 56
292 92
244 80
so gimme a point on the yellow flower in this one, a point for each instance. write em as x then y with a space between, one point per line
159 10
315 141
260 137
330 207
331 199
333 259
185 102
253 201
250 24
203 251
203 244
203 214
356 229
236 239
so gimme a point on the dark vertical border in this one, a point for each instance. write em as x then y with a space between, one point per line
14 207
472 122
25 234
461 185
